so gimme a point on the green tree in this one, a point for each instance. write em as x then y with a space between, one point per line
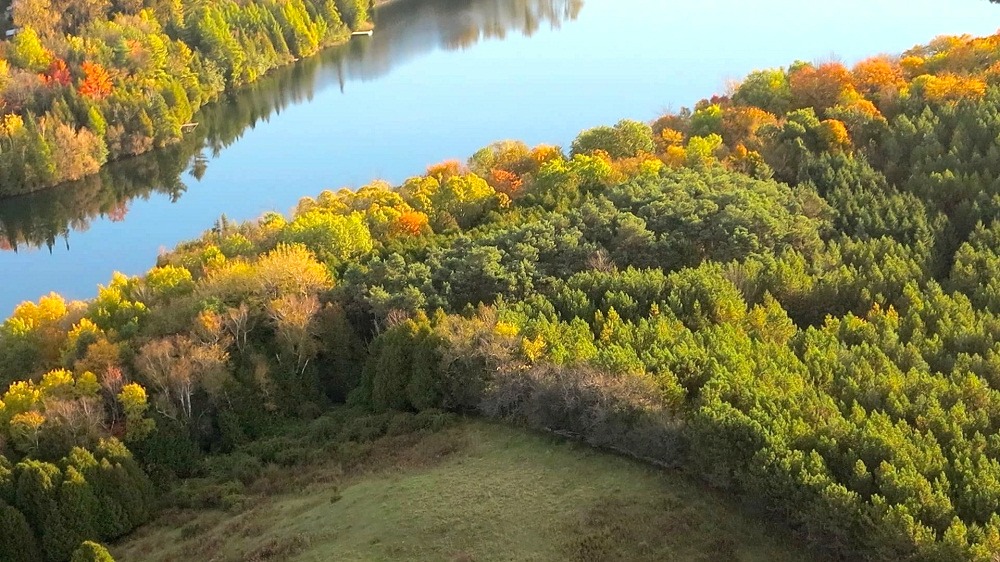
626 139
767 89
17 541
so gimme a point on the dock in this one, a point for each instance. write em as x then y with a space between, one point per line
369 33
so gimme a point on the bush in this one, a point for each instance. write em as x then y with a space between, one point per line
623 413
238 466
366 428
91 552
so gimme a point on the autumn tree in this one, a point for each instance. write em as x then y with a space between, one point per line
330 236
96 82
33 337
878 77
818 87
949 87
27 52
411 223
58 73
4 80
133 400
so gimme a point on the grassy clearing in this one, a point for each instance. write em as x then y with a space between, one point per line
472 492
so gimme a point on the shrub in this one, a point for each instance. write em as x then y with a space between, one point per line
91 552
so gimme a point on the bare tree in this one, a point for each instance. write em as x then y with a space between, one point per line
239 323
112 381
79 418
293 317
176 366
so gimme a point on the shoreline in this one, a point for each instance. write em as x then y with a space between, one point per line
346 38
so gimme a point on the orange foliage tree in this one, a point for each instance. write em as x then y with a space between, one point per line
446 169
740 124
818 87
878 76
411 223
96 83
545 153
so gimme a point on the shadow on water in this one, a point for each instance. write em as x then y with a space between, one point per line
405 29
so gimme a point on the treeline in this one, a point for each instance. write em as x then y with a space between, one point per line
84 82
787 291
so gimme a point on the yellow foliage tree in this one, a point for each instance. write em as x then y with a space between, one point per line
834 135
38 330
25 430
57 383
947 88
135 403
4 74
533 349
675 156
20 397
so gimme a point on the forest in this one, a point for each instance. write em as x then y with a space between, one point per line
83 82
787 291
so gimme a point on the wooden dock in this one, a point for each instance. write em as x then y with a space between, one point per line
369 33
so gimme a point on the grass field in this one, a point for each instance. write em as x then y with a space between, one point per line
472 492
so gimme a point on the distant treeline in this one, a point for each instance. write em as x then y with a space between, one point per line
789 291
87 81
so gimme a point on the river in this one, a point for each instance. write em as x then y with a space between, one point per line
438 80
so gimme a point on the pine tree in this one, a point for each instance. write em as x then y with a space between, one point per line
17 542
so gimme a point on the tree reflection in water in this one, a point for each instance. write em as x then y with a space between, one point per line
405 29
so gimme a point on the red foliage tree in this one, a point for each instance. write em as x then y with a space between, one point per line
57 74
505 181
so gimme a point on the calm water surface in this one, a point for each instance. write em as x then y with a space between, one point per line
439 79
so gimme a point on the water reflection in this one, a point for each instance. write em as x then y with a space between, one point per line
405 29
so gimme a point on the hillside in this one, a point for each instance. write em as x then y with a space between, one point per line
789 293
474 492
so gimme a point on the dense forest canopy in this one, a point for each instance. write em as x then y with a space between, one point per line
788 290
85 81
